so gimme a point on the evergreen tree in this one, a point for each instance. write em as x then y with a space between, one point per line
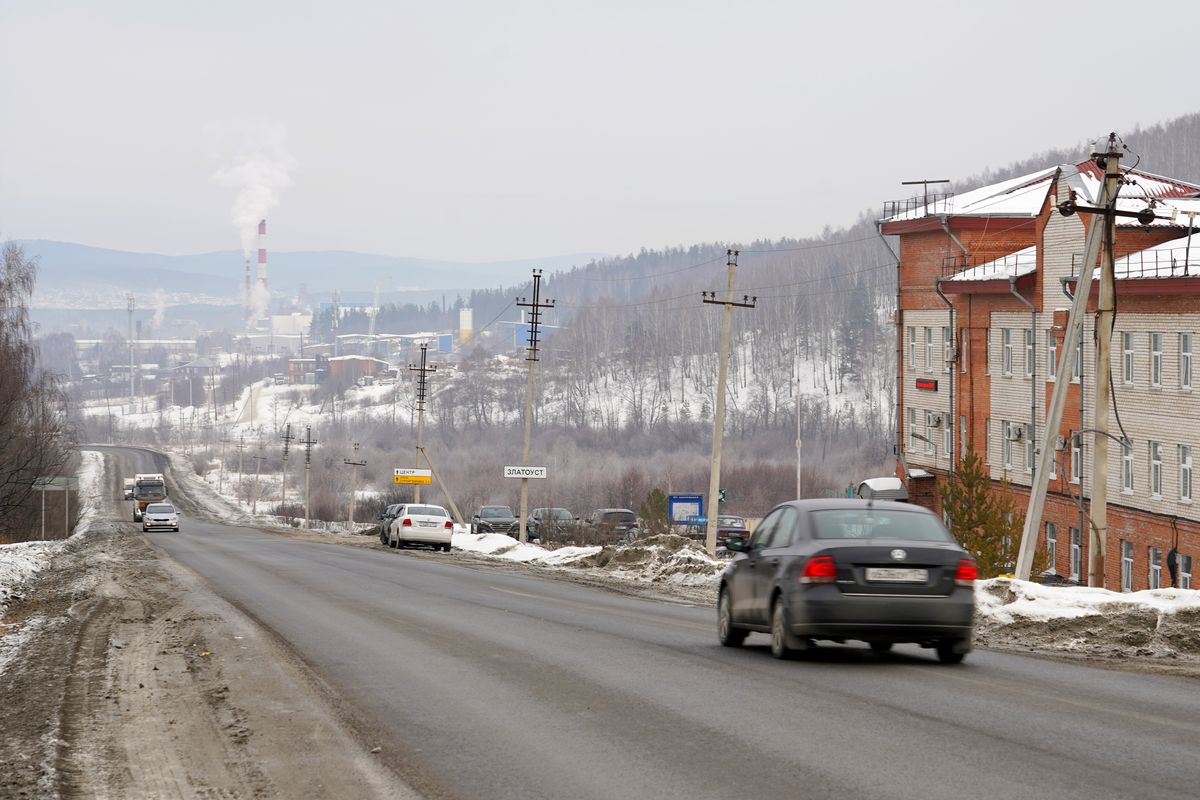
653 512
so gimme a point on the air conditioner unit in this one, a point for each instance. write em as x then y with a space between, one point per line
1015 433
933 420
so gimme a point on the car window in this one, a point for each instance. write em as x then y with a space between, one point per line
428 511
784 532
876 523
560 513
619 517
764 530
489 512
160 508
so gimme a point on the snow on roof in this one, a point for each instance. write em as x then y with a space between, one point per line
1024 196
1177 258
1013 265
357 358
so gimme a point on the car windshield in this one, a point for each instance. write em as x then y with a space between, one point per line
427 511
557 513
878 524
619 517
160 508
495 511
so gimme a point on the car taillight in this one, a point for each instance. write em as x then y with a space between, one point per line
819 569
966 573
449 525
406 522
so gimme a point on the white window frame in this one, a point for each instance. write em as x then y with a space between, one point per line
947 349
1185 575
928 349
1127 468
1185 361
1028 334
1029 454
1006 447
1006 352
1051 356
1155 450
963 343
1156 359
1127 358
929 447
1076 565
962 437
987 440
912 347
987 355
1185 473
1077 365
947 434
1076 457
1052 546
1155 558
912 429
1126 565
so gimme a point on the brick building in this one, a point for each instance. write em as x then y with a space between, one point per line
985 286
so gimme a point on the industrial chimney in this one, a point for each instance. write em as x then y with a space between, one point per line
247 300
262 256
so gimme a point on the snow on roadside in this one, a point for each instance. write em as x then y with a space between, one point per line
497 545
1088 621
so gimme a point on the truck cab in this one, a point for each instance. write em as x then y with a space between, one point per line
127 488
148 488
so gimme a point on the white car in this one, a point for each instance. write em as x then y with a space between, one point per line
160 515
421 524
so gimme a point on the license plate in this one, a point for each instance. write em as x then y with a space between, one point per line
428 524
897 575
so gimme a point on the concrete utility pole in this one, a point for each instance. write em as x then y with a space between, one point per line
129 303
535 321
714 480
308 443
241 448
1071 337
354 465
258 459
287 437
422 372
221 473
799 440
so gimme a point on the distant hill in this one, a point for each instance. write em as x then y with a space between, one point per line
79 276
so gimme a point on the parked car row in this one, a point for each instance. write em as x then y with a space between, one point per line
405 524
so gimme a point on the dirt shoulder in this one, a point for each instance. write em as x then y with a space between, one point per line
136 681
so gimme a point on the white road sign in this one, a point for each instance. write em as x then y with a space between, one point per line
412 475
525 472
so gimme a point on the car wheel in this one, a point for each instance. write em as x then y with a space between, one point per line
784 644
728 635
948 653
392 543
445 548
881 647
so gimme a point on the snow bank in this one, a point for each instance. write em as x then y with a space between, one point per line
1090 621
504 547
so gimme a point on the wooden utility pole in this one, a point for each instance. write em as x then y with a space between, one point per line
535 320
422 372
308 443
354 465
714 479
287 437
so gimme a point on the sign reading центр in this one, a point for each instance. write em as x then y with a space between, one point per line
525 472
412 476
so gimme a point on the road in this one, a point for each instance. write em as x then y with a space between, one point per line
479 683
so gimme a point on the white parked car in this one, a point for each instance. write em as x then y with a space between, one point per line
417 523
160 515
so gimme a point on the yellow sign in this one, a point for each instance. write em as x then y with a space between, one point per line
408 475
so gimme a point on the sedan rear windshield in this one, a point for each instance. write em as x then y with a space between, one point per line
878 524
556 513
158 508
428 511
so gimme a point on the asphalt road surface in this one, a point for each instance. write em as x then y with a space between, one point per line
492 684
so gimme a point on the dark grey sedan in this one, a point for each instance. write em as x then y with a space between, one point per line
875 571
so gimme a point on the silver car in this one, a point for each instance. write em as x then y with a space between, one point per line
160 515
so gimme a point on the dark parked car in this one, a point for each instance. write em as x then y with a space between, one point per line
876 571
385 520
548 521
730 527
615 524
495 519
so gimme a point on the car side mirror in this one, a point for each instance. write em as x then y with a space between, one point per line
737 545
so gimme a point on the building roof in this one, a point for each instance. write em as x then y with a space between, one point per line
1013 265
1025 196
1177 258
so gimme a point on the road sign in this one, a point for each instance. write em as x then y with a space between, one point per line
412 476
525 472
684 508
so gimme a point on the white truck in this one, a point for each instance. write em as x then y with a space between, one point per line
127 488
148 487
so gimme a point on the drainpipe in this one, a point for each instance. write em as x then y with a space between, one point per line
1082 518
1012 288
954 432
899 355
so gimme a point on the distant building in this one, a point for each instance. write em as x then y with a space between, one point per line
352 368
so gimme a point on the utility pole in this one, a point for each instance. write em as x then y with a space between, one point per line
714 479
258 459
799 440
129 303
221 474
535 321
241 448
354 465
422 387
308 443
287 437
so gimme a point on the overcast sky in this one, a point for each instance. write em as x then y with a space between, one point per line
492 130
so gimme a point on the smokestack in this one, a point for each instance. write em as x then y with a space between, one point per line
262 256
247 302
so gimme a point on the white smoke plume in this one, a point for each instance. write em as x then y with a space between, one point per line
260 169
160 310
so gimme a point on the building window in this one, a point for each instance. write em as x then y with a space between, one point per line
928 432
1185 572
987 366
1076 458
947 349
1029 454
1185 472
1051 356
1156 351
1077 362
1052 546
947 436
1156 469
1076 553
1007 429
987 441
1155 567
912 347
928 349
1185 361
963 350
962 437
912 430
1127 467
1007 353
1127 357
1126 566
1028 334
